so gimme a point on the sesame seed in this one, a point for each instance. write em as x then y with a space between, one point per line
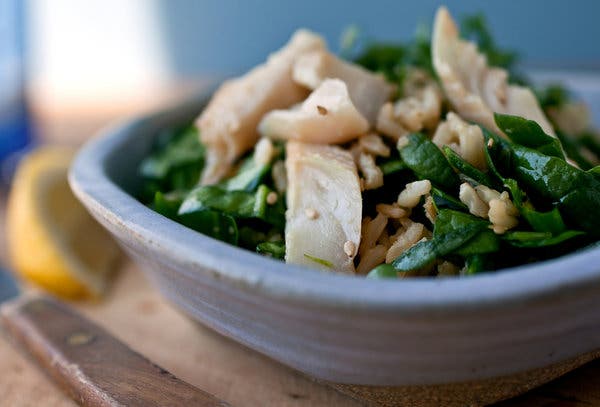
349 248
311 213
271 198
322 110
490 143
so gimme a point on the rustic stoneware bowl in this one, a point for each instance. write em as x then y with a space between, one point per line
444 341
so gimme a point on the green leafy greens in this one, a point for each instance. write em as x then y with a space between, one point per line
558 203
235 211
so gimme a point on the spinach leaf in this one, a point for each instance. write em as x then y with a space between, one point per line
590 141
178 164
426 252
451 232
498 154
550 221
239 204
248 177
383 271
395 60
387 59
212 223
540 221
250 233
419 50
475 28
485 241
272 249
462 166
550 177
427 161
573 151
576 191
475 264
392 166
529 134
581 205
448 220
553 95
421 255
167 204
443 200
595 172
539 239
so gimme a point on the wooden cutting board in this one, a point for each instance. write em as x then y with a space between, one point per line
135 313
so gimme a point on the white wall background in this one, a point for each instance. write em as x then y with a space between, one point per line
85 51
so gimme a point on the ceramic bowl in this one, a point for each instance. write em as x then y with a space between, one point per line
511 329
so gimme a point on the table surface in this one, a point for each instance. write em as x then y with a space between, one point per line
135 313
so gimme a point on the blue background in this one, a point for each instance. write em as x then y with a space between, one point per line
232 35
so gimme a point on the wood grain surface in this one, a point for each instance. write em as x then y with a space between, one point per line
136 314
88 363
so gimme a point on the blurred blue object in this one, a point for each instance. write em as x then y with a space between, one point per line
15 125
8 285
228 37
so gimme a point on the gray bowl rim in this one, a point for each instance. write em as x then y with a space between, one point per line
252 272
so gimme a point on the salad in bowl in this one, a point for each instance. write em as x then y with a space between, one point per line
433 158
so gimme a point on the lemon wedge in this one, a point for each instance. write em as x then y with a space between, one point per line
52 240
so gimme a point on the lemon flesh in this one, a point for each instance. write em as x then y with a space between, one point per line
53 241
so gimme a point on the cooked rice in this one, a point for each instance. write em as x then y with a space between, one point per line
503 214
386 123
405 240
371 230
421 112
412 193
490 204
384 239
393 211
418 109
371 172
371 259
486 193
373 144
477 206
465 139
264 151
430 210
